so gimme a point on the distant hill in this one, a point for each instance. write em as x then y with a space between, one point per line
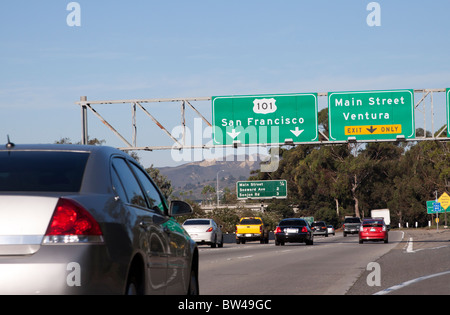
192 177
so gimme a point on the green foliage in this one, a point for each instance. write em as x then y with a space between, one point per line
161 181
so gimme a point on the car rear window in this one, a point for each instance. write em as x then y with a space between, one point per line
41 171
196 222
373 223
352 220
292 223
250 221
318 224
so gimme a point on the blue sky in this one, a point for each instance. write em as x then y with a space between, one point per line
158 49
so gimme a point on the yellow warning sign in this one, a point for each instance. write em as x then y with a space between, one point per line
373 130
444 200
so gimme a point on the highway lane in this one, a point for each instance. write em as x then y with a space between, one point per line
419 265
330 266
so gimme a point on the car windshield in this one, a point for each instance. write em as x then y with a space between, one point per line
41 171
352 220
292 223
196 222
250 221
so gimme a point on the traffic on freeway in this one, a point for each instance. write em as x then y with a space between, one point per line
90 220
335 265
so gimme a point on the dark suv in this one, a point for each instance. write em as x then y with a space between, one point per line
319 228
351 225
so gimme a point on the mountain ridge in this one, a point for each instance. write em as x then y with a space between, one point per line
190 178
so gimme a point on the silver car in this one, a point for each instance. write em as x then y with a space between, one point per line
204 231
88 220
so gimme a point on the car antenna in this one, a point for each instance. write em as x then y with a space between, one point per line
9 145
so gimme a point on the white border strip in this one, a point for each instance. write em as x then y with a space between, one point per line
407 283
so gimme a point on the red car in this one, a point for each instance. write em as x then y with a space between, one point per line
373 229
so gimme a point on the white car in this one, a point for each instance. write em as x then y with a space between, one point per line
331 230
204 231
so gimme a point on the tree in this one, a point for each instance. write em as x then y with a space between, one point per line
161 181
209 192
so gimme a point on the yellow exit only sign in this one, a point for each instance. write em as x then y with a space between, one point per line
373 130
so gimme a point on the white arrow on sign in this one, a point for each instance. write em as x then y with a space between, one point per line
233 134
297 132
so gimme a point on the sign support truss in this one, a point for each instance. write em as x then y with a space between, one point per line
180 144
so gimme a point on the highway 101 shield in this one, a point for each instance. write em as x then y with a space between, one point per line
265 119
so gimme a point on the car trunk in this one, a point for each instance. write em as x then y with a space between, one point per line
372 228
23 223
249 229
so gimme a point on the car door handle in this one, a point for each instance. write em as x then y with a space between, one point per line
144 225
166 230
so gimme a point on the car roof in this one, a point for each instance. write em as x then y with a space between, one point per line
96 177
56 147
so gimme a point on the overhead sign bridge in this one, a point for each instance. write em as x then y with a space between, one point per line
289 119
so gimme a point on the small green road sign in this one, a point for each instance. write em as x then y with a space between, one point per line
371 115
431 207
263 189
265 119
448 111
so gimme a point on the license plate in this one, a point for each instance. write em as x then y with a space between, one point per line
291 231
372 230
248 235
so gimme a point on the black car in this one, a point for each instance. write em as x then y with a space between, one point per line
293 231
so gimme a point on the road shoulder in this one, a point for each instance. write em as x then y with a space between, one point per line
421 254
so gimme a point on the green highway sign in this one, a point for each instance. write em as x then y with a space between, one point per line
371 115
448 111
263 189
265 119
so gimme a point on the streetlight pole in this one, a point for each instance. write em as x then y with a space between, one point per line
217 186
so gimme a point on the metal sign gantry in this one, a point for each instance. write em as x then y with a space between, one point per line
426 108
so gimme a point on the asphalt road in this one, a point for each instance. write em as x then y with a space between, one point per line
419 265
331 266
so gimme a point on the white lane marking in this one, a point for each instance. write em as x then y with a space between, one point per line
410 250
407 283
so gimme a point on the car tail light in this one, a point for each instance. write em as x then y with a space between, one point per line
71 223
304 229
210 229
384 228
278 230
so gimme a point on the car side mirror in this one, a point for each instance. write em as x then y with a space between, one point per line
179 208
